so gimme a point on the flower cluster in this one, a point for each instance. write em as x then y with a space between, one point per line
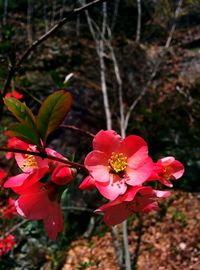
8 211
6 244
39 197
120 169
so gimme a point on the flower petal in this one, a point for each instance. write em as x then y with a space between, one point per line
16 180
29 204
53 223
116 214
88 183
177 169
136 150
112 190
140 175
97 164
107 141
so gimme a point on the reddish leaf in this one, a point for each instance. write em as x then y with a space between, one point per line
24 133
52 112
20 111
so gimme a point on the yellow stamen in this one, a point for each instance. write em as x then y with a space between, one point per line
117 162
29 162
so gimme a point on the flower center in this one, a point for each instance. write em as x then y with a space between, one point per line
166 173
29 162
117 162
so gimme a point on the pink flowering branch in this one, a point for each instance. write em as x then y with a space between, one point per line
43 156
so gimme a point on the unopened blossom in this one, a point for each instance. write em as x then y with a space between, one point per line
167 169
41 202
63 175
117 163
141 199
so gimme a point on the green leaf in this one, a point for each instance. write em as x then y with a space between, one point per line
20 111
52 112
24 133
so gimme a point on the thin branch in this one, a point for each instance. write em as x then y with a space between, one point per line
177 12
78 130
126 245
90 228
104 86
138 242
103 68
115 13
139 19
77 208
117 245
56 27
43 156
119 81
99 38
14 228
155 70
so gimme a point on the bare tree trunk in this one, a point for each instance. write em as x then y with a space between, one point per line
115 13
139 19
104 86
119 82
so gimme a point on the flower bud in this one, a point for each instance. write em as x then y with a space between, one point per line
63 175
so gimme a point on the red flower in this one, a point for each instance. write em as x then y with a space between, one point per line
167 169
116 163
136 199
33 167
9 211
6 244
41 202
14 94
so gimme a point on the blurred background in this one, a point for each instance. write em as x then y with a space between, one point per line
150 51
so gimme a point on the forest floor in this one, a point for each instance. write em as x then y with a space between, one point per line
165 240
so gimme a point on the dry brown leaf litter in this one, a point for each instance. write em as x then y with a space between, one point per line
170 240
